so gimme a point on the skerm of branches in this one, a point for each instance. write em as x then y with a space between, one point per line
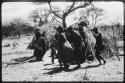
70 9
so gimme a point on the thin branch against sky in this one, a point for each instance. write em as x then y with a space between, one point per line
10 10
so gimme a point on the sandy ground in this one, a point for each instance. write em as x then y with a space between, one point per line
14 68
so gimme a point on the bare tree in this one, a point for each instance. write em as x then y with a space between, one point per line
93 12
69 10
18 24
34 15
40 16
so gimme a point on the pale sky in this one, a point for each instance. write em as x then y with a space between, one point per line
10 10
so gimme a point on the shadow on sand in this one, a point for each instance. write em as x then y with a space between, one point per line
22 60
58 70
47 64
91 66
53 70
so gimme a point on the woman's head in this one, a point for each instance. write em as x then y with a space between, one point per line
36 29
83 23
60 29
95 30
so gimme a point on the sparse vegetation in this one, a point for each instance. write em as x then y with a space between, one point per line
47 19
16 27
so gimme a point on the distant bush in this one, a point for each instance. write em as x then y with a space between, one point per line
16 27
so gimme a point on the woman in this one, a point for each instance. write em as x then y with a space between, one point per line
40 45
99 47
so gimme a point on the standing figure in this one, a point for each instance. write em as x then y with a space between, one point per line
76 41
87 37
99 47
39 45
53 52
64 48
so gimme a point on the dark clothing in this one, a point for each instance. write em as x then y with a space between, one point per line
82 33
37 35
60 39
61 54
41 43
75 39
99 47
99 57
99 42
32 43
87 51
40 48
53 52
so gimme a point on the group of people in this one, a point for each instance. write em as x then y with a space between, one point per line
82 43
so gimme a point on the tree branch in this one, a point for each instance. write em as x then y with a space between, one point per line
54 12
81 6
71 7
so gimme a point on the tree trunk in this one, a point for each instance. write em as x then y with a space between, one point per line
64 22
